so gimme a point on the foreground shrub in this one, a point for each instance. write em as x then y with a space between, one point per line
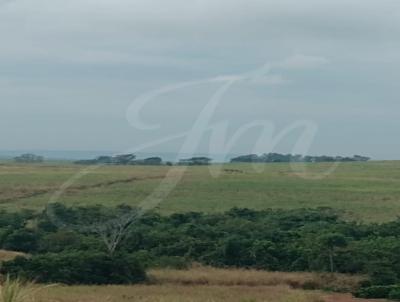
16 291
382 273
395 294
377 292
76 268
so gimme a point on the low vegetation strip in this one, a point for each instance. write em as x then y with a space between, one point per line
200 275
197 284
347 298
22 194
177 293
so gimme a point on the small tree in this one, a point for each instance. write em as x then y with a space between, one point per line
114 231
111 225
331 243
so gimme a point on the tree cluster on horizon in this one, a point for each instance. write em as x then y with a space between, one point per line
286 158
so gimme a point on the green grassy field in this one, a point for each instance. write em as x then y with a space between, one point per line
364 191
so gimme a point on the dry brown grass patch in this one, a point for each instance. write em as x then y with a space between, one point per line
9 255
176 293
243 277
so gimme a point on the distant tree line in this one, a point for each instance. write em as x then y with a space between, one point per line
29 158
285 158
78 250
130 159
195 161
123 159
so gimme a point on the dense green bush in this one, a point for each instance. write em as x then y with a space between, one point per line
21 240
395 294
281 240
377 292
76 268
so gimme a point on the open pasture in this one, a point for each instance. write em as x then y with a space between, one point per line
364 191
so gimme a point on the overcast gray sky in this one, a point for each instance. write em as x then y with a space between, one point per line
71 69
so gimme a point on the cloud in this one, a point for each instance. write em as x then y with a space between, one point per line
100 54
119 30
5 2
303 62
270 80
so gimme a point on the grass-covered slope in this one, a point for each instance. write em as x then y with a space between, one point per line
365 191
